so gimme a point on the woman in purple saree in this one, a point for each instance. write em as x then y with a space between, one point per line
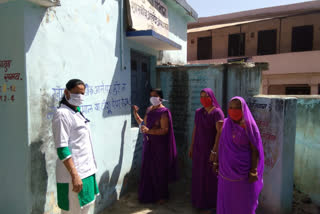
159 157
241 161
204 180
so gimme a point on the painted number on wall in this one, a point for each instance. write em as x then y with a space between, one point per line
7 90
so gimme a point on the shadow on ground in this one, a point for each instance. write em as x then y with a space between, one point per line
179 203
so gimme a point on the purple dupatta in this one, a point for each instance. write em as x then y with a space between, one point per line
159 160
235 193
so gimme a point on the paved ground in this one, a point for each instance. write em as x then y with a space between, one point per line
180 203
302 204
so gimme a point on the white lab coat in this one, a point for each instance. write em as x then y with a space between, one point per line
70 129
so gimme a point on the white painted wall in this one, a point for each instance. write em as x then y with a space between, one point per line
178 33
81 39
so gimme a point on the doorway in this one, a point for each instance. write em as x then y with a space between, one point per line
140 83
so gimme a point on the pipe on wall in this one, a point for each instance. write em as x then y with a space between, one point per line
122 65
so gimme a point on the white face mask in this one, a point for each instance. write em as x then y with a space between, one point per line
76 99
155 101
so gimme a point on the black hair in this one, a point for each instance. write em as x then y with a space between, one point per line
70 85
158 91
73 83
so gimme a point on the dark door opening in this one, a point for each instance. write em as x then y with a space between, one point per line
236 45
140 83
298 90
267 42
204 48
302 38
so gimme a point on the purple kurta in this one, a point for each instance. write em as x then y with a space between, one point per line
159 160
204 180
235 194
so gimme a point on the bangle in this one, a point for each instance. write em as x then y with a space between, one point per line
212 152
254 174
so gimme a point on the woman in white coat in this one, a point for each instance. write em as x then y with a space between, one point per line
76 167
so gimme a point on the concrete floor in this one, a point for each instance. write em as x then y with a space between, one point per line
180 203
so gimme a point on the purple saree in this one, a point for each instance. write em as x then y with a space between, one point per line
204 180
159 160
236 195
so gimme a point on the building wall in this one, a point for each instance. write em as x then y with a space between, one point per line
220 41
178 21
220 38
278 63
13 113
245 83
251 44
276 119
276 89
301 70
307 160
182 86
77 40
282 25
193 43
182 89
288 23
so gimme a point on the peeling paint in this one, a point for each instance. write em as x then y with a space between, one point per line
53 207
53 45
39 178
179 97
108 18
307 150
182 86
276 119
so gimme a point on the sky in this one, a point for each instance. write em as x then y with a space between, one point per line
206 8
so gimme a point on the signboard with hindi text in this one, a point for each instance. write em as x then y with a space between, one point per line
148 15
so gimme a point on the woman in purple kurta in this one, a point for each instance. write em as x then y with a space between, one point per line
204 180
159 157
241 161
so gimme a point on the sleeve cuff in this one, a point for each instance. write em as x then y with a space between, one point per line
63 153
66 158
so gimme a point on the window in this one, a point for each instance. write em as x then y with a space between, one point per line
302 38
204 48
236 44
267 42
297 90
